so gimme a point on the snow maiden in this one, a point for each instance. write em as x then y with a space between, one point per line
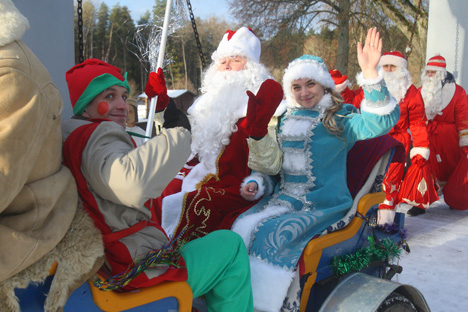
311 197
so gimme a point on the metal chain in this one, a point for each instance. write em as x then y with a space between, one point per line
197 37
79 11
455 71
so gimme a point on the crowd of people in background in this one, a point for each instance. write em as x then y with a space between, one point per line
250 153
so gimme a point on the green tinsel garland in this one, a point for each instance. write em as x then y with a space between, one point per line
385 249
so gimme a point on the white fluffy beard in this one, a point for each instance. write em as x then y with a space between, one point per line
398 82
214 116
431 92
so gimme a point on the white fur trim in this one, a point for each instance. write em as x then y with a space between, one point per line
257 178
172 205
197 174
295 162
303 68
13 24
282 107
423 151
385 216
270 285
437 68
362 81
243 43
245 225
448 91
386 201
342 86
171 212
384 110
393 60
296 127
463 139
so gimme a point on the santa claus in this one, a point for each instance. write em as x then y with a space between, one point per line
446 108
412 118
205 195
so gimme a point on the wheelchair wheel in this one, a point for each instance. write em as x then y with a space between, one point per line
396 303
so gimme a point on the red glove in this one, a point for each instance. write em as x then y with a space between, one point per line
156 86
417 158
262 106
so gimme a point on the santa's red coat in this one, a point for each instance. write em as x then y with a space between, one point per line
216 202
412 117
354 97
444 135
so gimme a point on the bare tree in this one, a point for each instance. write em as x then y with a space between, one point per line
89 24
410 17
307 16
298 16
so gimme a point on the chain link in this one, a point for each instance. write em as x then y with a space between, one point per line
455 71
197 37
79 11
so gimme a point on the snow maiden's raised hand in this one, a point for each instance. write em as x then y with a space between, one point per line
369 55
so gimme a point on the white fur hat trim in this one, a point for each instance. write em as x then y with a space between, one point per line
307 66
242 42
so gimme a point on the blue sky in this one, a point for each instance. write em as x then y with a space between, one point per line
201 8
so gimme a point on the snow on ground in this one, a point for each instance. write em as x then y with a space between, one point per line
438 262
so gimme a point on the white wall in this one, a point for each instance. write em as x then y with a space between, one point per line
444 17
51 38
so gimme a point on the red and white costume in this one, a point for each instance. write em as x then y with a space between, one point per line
446 107
342 85
205 195
412 118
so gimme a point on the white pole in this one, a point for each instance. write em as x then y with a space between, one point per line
162 50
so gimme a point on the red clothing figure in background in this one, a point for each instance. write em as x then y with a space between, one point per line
412 118
446 108
342 85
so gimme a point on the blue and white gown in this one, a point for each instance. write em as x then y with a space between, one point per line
311 197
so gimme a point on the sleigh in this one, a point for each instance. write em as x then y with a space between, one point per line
368 288
321 289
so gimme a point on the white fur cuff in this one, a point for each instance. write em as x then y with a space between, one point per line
423 151
342 86
362 81
381 111
385 216
257 178
463 138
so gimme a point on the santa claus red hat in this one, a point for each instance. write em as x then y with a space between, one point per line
306 66
242 42
436 62
88 79
338 77
341 81
395 58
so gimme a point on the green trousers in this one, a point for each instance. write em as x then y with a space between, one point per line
218 268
